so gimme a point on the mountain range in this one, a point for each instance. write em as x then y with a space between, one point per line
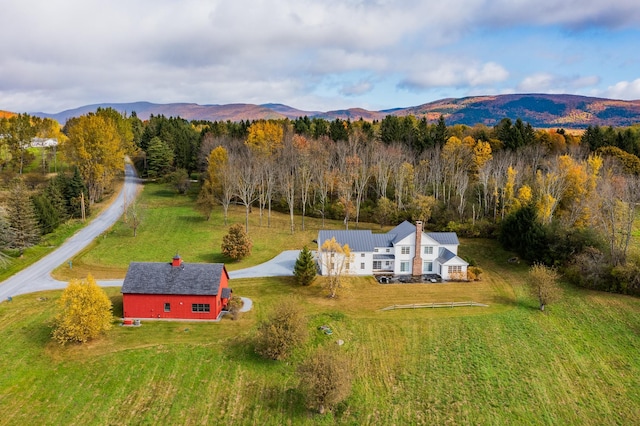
541 110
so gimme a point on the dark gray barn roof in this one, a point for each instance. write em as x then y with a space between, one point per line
163 278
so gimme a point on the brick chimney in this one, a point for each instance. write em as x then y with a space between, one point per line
177 261
416 269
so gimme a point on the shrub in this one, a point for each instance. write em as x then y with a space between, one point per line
236 244
325 379
281 332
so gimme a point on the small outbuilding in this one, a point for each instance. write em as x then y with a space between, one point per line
175 290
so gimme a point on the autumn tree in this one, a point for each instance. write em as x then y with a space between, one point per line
22 218
236 244
217 186
422 206
179 179
284 329
134 217
385 211
305 268
265 137
287 171
85 312
95 146
335 261
18 131
325 379
245 181
543 284
305 173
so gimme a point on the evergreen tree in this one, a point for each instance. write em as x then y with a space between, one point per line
522 233
159 158
73 191
305 268
48 218
441 133
53 191
22 218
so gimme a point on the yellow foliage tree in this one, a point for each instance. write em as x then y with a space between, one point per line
265 137
96 147
336 262
85 312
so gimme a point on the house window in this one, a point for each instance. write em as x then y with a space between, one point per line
405 250
388 250
377 264
428 250
375 250
404 266
361 254
427 267
167 307
200 307
455 268
362 265
347 266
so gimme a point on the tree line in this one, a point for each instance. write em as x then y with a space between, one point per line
567 196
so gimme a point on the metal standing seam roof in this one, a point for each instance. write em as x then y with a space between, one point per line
402 231
357 241
202 279
445 238
366 241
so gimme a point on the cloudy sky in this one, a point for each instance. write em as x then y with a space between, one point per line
312 55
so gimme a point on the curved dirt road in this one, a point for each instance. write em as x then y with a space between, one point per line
37 276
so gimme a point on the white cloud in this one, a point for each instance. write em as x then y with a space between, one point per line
629 90
73 52
448 72
550 83
356 89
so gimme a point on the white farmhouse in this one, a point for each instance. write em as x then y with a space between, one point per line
405 250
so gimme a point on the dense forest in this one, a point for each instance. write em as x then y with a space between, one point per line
551 195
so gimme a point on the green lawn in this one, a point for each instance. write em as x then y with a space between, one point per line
504 364
171 224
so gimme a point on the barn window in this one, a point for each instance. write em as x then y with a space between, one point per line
167 307
200 307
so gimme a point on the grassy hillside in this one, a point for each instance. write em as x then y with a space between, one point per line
506 363
170 224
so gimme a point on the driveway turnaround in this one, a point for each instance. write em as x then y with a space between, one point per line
280 266
37 277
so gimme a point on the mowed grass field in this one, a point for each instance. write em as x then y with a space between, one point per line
508 363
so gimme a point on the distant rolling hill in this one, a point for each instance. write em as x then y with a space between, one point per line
541 110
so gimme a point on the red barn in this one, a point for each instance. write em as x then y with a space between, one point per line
175 290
